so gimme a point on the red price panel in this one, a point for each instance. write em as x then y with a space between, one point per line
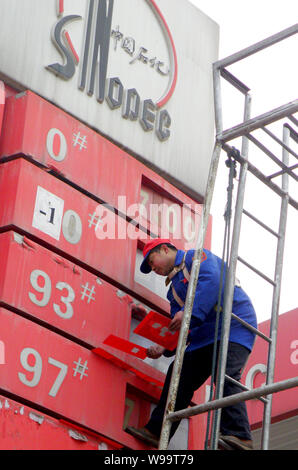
126 346
57 140
70 223
61 376
68 298
53 211
155 327
29 429
60 293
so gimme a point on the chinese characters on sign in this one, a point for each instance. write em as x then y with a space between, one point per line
96 56
128 44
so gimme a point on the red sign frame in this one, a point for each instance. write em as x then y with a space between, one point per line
30 429
44 368
59 293
28 193
84 158
90 323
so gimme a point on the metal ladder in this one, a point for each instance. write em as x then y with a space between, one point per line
243 130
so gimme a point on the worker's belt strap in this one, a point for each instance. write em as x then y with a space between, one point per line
182 267
177 298
177 269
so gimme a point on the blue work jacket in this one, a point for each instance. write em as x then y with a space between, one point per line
202 325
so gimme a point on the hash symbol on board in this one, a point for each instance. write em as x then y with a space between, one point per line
94 220
80 368
87 292
80 141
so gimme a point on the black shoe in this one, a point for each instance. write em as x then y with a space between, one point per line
237 443
143 434
222 445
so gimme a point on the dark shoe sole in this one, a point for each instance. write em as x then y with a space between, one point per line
235 443
222 445
142 436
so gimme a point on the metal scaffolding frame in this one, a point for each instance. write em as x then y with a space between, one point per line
243 130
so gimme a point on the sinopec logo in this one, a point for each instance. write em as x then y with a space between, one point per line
142 62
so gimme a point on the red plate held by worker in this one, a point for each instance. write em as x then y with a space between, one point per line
126 346
156 328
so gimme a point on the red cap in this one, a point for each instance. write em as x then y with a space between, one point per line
145 268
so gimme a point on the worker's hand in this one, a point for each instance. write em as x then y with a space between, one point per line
154 352
176 321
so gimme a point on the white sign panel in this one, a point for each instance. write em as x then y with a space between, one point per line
138 71
48 212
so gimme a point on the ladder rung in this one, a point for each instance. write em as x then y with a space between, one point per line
281 172
272 156
257 271
293 133
258 121
294 120
260 223
243 387
234 81
251 328
286 147
258 174
233 399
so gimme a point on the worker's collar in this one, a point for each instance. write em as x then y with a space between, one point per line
179 257
178 265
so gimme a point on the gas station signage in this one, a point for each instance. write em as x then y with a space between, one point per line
137 79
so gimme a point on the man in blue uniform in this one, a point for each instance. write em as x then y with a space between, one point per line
164 259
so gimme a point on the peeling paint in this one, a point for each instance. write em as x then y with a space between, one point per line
18 238
20 95
124 296
37 418
76 270
28 244
24 241
102 446
54 169
120 293
60 261
6 404
77 435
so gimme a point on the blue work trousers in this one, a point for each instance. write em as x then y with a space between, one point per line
196 369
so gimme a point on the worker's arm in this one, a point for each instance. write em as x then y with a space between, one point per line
207 289
176 321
